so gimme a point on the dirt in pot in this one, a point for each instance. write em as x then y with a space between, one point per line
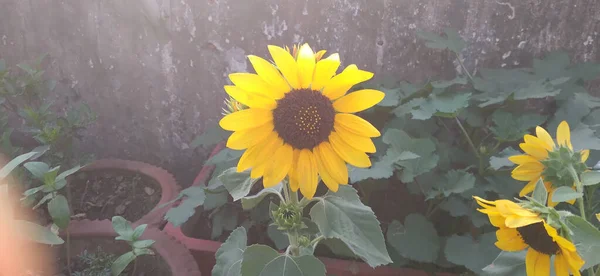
94 257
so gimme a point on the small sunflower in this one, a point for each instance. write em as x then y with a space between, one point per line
520 228
299 120
549 160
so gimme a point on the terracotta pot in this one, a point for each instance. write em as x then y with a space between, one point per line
168 184
175 254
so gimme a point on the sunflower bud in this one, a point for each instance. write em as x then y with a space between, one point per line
304 241
288 217
558 164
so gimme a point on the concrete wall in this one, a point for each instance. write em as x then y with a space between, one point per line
153 70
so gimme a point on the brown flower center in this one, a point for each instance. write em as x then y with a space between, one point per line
304 118
536 236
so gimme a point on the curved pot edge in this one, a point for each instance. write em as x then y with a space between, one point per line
169 187
175 254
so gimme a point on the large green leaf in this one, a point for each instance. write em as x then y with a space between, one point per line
58 208
507 264
573 110
261 260
416 240
250 202
455 206
180 214
226 218
512 127
584 138
230 254
224 156
36 232
563 193
278 237
586 238
456 182
452 41
445 105
237 183
590 178
342 215
474 255
8 168
501 159
37 169
536 90
121 263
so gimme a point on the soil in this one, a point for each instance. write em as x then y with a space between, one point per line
102 194
94 256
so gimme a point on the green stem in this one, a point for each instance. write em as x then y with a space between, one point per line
292 197
464 67
581 204
464 131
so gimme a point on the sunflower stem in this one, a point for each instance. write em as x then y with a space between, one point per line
475 151
579 188
464 67
292 197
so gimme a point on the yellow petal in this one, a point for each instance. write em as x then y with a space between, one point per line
522 159
268 72
252 100
358 101
340 84
584 155
279 167
325 173
537 152
509 240
509 208
574 260
498 221
528 188
243 139
294 185
245 119
563 135
258 170
598 216
530 139
258 154
349 154
561 266
358 142
542 264
517 221
333 162
306 65
356 125
544 136
324 70
307 173
286 64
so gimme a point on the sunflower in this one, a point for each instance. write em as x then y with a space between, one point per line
520 228
299 120
549 160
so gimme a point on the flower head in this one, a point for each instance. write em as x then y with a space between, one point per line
549 160
520 228
299 121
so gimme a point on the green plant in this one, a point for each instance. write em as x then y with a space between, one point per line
96 263
131 236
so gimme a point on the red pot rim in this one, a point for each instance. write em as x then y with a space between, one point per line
175 254
169 187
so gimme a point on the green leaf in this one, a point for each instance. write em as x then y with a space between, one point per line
230 254
573 110
250 202
501 159
121 263
142 251
445 105
474 255
584 138
590 178
224 219
536 90
452 41
122 227
562 194
392 97
211 136
261 260
43 200
416 240
456 182
180 214
507 264
37 169
36 232
278 237
512 127
66 173
421 165
342 215
448 83
215 199
138 231
58 208
540 193
8 168
143 243
225 155
238 184
587 240
455 206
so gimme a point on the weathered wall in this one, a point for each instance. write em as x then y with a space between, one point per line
153 70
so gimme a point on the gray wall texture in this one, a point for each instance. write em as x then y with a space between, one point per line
153 70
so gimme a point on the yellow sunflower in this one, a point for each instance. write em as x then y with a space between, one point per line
520 229
543 159
299 120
